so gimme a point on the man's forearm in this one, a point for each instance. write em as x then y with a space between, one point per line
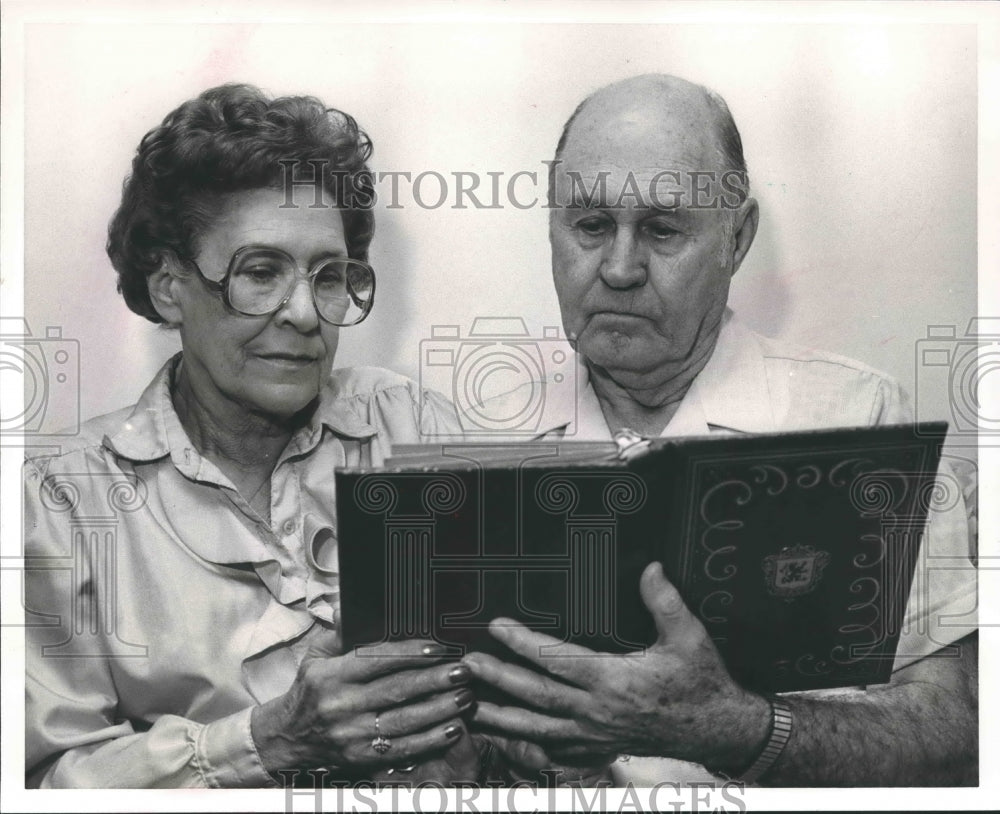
920 730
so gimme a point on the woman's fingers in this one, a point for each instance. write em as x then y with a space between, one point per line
365 663
460 763
415 717
407 748
406 685
329 712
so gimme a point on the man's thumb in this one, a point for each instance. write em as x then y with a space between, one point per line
674 623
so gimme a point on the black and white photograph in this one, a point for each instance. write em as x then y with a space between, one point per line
499 406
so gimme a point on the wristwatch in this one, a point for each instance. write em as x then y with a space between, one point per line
781 731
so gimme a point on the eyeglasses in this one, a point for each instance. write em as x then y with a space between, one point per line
261 280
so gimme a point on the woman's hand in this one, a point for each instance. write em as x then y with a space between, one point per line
327 717
460 764
522 760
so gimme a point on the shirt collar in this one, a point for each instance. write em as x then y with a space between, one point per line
733 388
730 393
153 429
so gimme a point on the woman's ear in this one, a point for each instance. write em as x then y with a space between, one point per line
164 289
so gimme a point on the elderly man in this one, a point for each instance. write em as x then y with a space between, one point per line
651 219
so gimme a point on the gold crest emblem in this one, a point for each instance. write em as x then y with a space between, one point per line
795 570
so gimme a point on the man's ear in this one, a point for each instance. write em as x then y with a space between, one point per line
164 288
745 221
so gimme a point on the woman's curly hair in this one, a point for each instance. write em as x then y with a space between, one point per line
230 139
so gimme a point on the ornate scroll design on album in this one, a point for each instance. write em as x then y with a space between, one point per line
740 501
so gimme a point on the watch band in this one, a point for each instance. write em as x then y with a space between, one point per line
781 731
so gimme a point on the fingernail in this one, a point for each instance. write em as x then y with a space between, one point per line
499 628
459 674
452 732
464 698
434 650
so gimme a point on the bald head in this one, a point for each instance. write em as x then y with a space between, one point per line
649 220
657 111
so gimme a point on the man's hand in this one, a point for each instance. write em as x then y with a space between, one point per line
675 699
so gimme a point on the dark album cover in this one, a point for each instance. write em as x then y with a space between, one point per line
795 550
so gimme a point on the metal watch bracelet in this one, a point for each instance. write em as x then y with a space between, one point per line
781 731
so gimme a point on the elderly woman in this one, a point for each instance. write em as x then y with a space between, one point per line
187 580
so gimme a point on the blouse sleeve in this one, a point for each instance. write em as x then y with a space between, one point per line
396 408
438 417
75 736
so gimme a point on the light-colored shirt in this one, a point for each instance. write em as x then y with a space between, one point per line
162 608
755 384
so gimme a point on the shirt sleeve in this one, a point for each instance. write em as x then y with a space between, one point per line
941 608
75 736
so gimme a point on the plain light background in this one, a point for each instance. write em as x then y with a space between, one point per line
860 139
860 133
